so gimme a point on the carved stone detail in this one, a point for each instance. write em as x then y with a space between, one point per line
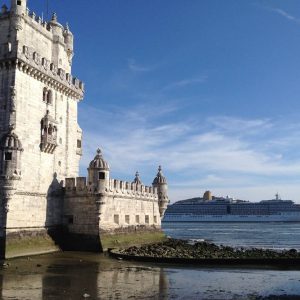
13 96
37 58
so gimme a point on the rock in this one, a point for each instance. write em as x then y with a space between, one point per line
85 295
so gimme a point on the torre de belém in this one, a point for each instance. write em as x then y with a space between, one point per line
44 205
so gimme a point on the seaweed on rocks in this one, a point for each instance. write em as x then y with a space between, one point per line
175 248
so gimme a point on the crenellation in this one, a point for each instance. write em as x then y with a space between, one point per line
81 184
70 184
32 15
51 68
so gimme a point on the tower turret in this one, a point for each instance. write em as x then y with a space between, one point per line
18 7
69 41
137 179
57 28
160 183
10 166
98 173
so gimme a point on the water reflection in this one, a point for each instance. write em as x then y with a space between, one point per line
71 275
57 276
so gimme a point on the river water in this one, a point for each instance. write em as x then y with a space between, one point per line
261 235
73 275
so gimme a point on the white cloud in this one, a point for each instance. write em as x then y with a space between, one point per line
281 12
225 154
133 66
185 82
285 14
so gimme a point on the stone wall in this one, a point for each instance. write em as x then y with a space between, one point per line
36 85
124 208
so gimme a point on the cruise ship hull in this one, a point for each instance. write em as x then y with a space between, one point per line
280 217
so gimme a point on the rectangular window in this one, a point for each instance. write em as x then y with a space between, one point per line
127 219
116 219
155 219
137 219
147 219
7 156
101 175
78 143
19 2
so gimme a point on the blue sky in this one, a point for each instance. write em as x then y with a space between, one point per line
209 89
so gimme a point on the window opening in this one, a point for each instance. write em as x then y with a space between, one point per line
147 219
116 219
101 175
7 156
137 219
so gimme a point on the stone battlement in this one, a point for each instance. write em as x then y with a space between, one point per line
46 67
118 187
33 19
46 63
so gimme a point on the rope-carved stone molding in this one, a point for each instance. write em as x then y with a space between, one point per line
23 193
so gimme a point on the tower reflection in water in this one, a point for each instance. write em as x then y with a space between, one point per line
55 277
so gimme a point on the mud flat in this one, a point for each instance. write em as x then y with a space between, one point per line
181 251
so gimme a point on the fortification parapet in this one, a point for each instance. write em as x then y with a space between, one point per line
120 187
35 60
76 185
70 184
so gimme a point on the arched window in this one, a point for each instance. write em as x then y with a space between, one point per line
49 97
50 129
45 94
48 134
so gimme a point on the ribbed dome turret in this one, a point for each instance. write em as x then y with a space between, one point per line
54 21
160 178
98 162
137 179
10 141
57 28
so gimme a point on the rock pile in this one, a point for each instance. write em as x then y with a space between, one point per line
203 250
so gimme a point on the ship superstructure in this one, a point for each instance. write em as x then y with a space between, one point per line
227 209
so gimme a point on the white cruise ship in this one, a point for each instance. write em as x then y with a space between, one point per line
220 209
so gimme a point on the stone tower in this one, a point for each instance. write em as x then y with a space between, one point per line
40 140
160 182
98 174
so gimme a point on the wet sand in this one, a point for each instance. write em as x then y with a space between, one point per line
73 275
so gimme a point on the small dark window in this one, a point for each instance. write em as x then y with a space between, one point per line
45 95
49 97
101 175
7 156
78 143
19 2
70 220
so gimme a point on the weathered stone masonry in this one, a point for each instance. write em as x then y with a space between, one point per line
98 205
40 146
